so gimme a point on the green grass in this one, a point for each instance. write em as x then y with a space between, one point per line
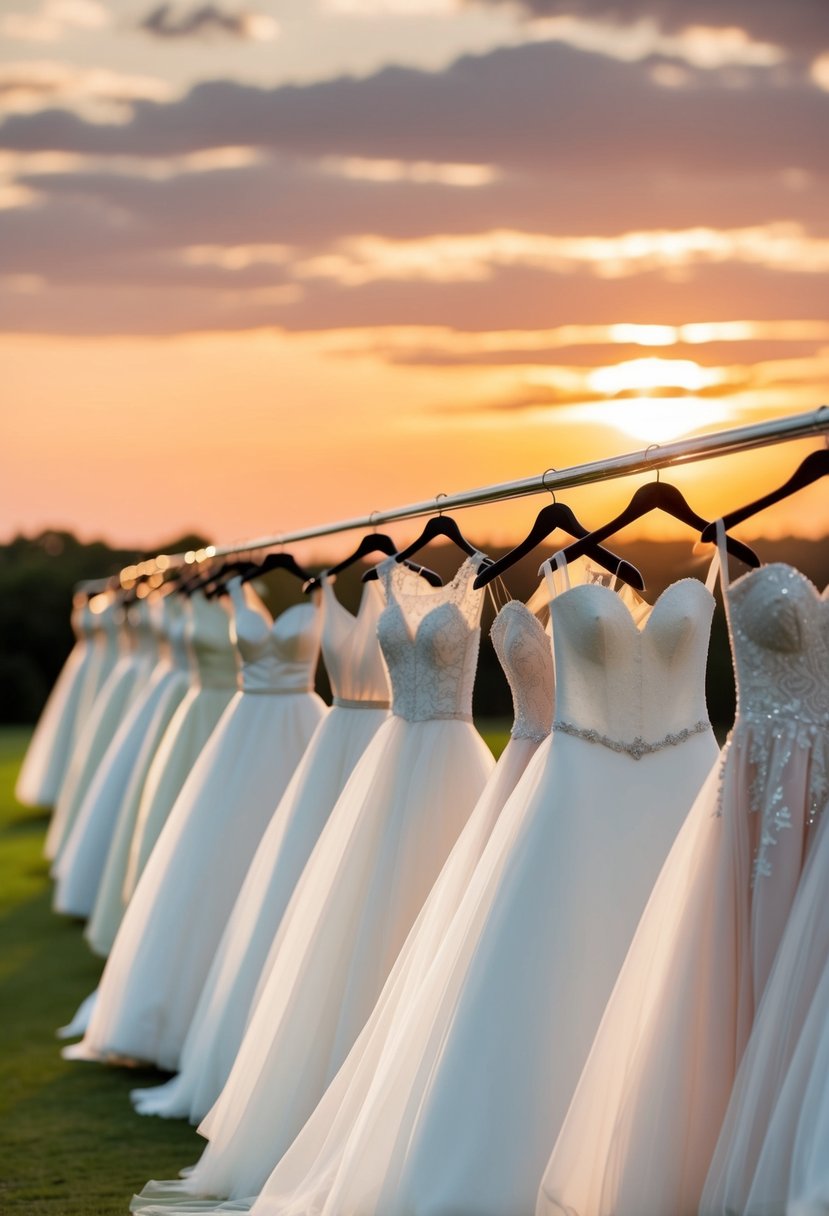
70 1143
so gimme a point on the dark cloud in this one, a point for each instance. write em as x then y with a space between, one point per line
541 106
799 26
204 21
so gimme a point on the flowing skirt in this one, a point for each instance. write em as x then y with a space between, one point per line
365 883
221 1016
50 747
171 929
81 863
110 903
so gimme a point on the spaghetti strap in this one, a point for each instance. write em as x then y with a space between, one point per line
719 562
550 568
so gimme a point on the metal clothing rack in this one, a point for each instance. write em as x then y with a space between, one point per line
657 456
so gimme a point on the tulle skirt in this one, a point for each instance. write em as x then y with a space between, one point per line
110 902
171 929
474 1083
218 1024
50 746
123 683
771 1155
643 1123
365 883
190 727
80 866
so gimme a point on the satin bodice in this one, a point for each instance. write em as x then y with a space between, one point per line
523 649
107 618
82 619
176 609
142 623
278 656
430 638
635 687
208 636
351 650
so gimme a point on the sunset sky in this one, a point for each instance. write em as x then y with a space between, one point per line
262 266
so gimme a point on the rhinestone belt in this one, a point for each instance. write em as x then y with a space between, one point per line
639 747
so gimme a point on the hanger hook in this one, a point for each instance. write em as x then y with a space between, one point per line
544 481
821 417
371 521
438 497
650 448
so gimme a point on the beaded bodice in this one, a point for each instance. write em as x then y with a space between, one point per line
523 648
278 656
351 650
634 686
779 625
208 635
430 638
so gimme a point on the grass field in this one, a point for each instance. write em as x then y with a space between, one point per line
70 1144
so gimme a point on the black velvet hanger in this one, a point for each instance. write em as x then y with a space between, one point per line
375 542
810 470
552 517
217 584
437 525
657 496
278 561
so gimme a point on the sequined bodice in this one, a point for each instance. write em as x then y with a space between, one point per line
523 649
209 639
780 639
350 647
430 638
277 656
642 687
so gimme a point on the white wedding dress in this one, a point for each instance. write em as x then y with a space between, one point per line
472 1088
171 681
363 887
359 683
191 726
172 927
138 655
642 1126
84 854
50 747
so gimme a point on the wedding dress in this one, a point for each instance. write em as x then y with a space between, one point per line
771 1155
138 654
172 681
359 683
171 929
50 747
363 887
84 854
477 1077
643 1123
191 726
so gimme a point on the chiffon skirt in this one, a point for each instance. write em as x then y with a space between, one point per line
221 1015
171 929
362 890
110 902
83 856
50 746
190 727
111 704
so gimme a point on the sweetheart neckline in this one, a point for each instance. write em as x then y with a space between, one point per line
640 632
818 595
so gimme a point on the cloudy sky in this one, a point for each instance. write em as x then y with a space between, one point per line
266 265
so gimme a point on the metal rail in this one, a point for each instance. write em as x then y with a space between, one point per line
657 456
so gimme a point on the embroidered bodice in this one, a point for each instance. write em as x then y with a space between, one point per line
779 628
522 645
351 650
208 635
278 656
430 638
631 677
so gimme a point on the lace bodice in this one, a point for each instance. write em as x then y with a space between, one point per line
278 656
523 649
209 639
430 638
351 650
634 687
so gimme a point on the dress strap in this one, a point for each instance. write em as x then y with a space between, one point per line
550 569
719 562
